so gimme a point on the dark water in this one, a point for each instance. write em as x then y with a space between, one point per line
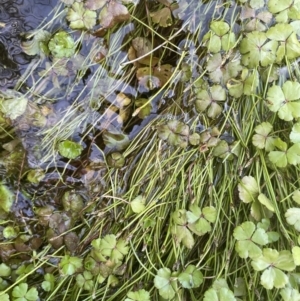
17 17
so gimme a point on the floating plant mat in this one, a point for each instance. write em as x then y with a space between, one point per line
151 151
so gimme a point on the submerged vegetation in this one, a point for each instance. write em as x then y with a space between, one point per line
151 152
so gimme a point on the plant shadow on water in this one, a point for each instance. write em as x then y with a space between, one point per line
149 150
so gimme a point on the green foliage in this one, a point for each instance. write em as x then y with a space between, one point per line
166 283
138 204
6 198
62 45
285 100
220 37
292 216
140 295
5 270
295 133
80 17
249 239
208 100
256 50
49 283
290 294
12 104
273 263
38 44
191 277
296 255
262 139
21 293
69 149
69 265
109 247
219 292
85 280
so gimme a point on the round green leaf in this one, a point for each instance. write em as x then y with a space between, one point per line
191 277
69 149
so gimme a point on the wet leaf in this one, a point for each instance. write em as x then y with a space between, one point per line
37 44
114 12
248 238
191 277
21 293
292 216
13 104
35 176
10 232
165 283
273 263
6 198
262 139
140 295
62 45
225 151
258 211
257 50
69 265
162 17
80 17
95 4
116 160
69 149
116 140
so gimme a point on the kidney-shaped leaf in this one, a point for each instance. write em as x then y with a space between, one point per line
292 216
191 277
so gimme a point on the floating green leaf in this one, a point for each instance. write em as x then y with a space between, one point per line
191 277
21 293
285 100
69 265
273 263
81 17
257 50
248 238
248 189
208 100
289 45
165 283
38 43
62 45
262 139
276 6
199 221
13 104
116 140
140 295
69 149
220 37
292 216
